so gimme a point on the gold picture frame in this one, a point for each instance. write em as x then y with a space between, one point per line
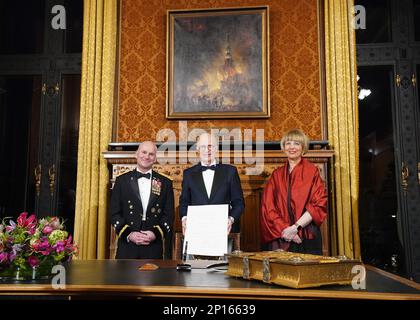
218 63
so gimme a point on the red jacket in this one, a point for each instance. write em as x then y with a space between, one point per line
308 194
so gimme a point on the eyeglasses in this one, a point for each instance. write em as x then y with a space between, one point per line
210 146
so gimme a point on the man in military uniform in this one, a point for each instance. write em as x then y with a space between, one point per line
142 209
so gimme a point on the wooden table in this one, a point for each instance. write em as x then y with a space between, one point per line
121 278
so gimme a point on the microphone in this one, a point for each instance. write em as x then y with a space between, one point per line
184 266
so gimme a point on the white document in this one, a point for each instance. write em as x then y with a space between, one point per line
206 232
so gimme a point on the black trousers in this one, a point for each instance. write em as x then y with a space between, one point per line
129 250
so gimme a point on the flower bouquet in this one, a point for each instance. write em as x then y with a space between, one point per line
29 248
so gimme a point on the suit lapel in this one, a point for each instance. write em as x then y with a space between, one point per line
198 181
217 181
135 187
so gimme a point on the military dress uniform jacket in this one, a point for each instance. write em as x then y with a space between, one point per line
127 211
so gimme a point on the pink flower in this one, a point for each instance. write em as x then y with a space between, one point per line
33 261
21 220
12 256
44 247
11 226
4 257
59 246
28 242
24 221
47 229
55 223
70 247
35 245
32 230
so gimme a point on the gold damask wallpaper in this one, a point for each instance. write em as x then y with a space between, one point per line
294 69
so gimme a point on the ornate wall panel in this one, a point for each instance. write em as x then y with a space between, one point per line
294 69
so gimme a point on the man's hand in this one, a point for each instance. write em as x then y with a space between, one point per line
289 233
135 237
142 238
184 225
149 235
230 224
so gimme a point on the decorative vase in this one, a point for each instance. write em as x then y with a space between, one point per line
15 273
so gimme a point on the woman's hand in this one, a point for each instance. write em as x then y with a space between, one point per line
289 233
297 239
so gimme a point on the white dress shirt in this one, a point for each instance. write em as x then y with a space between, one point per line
145 186
208 177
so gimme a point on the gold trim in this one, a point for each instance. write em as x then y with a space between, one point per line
398 80
207 292
160 230
163 240
418 172
56 88
115 110
171 15
322 69
342 123
355 221
38 176
122 230
404 177
166 176
51 177
129 157
413 80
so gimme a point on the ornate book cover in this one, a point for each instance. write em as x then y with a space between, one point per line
291 269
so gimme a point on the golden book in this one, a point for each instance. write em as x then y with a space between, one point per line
294 270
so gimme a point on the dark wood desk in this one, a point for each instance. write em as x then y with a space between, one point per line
96 278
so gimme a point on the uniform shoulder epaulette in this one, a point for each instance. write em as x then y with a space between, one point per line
166 176
125 172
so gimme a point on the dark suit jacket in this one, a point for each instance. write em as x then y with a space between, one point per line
226 189
127 210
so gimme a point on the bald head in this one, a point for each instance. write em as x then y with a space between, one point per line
147 144
146 155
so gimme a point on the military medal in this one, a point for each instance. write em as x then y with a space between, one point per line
156 186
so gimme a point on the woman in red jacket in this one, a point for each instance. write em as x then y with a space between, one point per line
294 202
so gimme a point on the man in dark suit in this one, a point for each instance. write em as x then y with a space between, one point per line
142 209
209 182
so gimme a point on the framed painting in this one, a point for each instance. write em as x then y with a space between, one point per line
217 63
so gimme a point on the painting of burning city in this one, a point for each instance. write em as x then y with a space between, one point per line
217 63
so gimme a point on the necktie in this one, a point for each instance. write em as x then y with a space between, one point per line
204 168
142 175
